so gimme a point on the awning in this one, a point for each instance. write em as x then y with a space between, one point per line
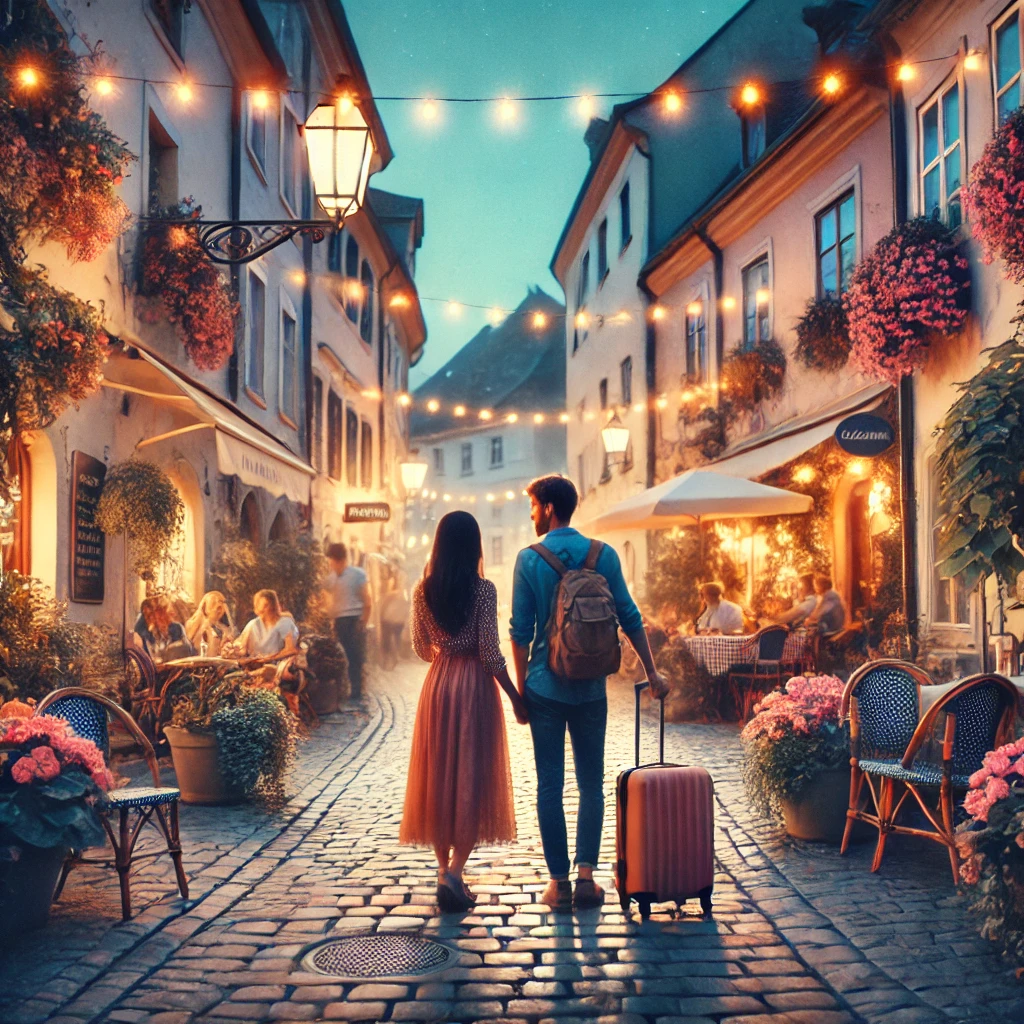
244 449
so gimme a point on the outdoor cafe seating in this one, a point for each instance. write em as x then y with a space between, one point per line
901 762
749 682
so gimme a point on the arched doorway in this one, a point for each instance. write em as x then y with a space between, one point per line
249 521
32 547
280 528
183 571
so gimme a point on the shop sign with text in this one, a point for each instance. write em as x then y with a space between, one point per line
88 541
865 435
367 512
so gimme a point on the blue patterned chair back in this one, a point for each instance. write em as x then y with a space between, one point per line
87 717
978 711
888 708
771 643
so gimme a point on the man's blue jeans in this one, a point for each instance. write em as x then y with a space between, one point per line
586 724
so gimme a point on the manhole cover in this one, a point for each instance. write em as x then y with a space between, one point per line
380 957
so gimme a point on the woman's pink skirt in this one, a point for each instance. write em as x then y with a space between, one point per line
459 791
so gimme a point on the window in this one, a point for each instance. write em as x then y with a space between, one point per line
290 161
579 334
289 366
257 137
467 459
626 379
602 252
351 292
835 229
438 462
351 447
1006 47
334 252
757 301
602 393
497 551
496 512
697 340
163 166
317 442
170 15
753 129
368 294
366 462
624 217
941 156
257 333
581 479
334 438
497 452
950 598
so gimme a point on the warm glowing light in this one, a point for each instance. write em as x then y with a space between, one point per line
638 407
728 302
539 320
590 415
400 301
661 402
485 414
582 320
972 60
430 111
489 497
563 417
261 99
177 236
297 277
658 312
831 84
586 107
687 395
673 102
345 103
510 495
184 92
411 543
433 405
446 497
425 493
507 111
525 494
459 410
622 317
750 95
538 417
803 474
433 495
694 308
404 399
104 86
857 467
454 308
425 540
28 78
906 73
352 290
512 417
761 296
371 393
496 315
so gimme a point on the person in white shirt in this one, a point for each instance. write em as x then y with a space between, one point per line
270 635
719 615
802 608
350 603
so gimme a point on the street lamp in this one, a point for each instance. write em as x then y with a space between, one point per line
413 473
616 438
339 147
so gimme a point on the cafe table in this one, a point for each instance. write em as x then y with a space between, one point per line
718 654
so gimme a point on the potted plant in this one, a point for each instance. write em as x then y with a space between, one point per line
822 335
992 847
52 786
230 741
328 667
797 754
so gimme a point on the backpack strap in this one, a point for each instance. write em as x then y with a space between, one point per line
596 547
551 558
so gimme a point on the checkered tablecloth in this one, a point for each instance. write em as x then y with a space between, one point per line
719 653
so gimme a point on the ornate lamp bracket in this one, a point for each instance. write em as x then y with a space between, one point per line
242 241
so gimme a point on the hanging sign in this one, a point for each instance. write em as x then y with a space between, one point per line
367 512
88 542
865 435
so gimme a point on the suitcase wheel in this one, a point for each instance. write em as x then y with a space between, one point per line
645 909
705 902
624 903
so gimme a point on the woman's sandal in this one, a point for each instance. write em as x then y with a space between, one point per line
452 896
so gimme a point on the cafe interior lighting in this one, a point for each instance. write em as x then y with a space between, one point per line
803 474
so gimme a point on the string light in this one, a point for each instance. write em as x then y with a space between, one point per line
832 84
352 290
510 495
28 78
582 320
638 407
728 302
433 405
658 313
400 301
906 73
104 86
750 95
454 308
512 417
803 474
371 393
539 320
762 296
261 99
446 497
496 316
404 399
485 414
459 410
430 111
586 107
972 60
661 402
694 308
673 102
297 277
507 112
538 418
489 497
563 417
184 92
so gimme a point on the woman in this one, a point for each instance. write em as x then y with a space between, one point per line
158 634
269 636
459 791
210 624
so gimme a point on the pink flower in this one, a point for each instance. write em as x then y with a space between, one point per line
997 762
997 789
1020 840
970 870
978 779
977 804
24 771
48 767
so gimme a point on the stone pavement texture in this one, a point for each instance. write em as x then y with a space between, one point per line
799 935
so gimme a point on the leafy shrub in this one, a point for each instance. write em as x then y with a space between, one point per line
326 659
694 696
751 376
822 335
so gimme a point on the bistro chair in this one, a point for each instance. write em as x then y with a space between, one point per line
87 713
747 680
978 713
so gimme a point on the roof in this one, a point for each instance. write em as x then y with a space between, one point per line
512 367
395 213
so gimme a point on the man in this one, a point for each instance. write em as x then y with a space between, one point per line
719 615
829 615
394 614
557 704
348 591
801 609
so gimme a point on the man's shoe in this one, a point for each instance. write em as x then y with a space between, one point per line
588 894
558 896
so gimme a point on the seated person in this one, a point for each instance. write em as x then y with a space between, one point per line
829 614
719 615
210 624
269 636
802 608
158 634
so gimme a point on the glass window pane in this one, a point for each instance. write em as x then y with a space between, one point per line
847 218
848 256
951 117
827 230
931 193
930 133
1007 51
828 272
954 215
962 601
1008 103
953 172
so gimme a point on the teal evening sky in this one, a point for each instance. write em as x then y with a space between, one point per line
496 198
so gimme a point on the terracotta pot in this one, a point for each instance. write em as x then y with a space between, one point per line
818 812
324 695
27 885
195 764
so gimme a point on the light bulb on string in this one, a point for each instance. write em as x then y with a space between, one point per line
405 399
510 495
400 301
658 312
905 72
485 414
672 102
563 417
512 417
184 92
454 308
28 78
750 95
538 418
582 319
762 296
459 411
972 60
507 111
728 302
586 107
104 86
539 320
661 402
261 99
694 308
638 407
430 110
433 405
496 316
831 84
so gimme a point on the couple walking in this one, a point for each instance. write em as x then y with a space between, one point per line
459 791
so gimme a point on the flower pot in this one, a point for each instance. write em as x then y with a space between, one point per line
324 695
195 764
818 812
27 885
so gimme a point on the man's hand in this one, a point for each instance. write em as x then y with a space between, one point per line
658 684
520 710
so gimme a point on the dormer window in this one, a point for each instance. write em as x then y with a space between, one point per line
752 124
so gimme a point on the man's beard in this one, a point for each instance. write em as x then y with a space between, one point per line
542 525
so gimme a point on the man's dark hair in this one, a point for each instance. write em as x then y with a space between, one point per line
338 552
555 490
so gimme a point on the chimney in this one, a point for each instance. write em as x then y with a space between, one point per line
594 136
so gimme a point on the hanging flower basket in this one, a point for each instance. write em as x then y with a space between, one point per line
823 335
751 376
994 198
194 295
913 287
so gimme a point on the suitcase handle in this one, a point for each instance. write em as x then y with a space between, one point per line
639 688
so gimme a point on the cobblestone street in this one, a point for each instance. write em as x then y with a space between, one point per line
800 936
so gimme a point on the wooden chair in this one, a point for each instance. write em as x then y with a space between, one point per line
746 680
979 713
136 806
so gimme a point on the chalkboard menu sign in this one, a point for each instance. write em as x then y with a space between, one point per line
87 539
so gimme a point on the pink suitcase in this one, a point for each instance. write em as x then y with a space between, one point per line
664 837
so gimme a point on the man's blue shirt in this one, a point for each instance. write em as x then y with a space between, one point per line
533 587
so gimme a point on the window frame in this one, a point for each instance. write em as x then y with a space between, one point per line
833 207
936 581
251 116
255 384
749 118
292 204
350 254
603 270
953 80
289 414
497 445
626 380
351 460
367 310
335 435
696 326
466 464
625 218
439 462
365 455
763 257
1015 10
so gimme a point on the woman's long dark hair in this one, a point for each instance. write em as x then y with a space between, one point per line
449 581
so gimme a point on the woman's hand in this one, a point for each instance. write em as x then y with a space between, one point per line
521 711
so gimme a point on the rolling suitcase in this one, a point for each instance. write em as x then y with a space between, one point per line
664 838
